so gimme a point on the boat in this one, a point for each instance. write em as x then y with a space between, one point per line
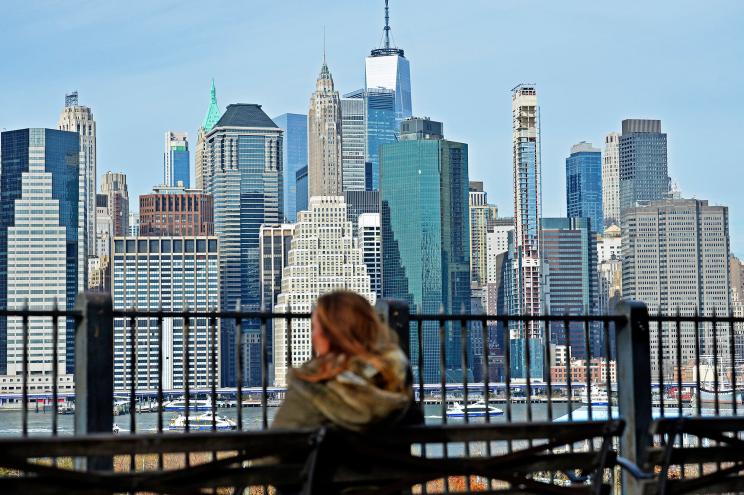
474 410
203 422
724 396
598 397
179 405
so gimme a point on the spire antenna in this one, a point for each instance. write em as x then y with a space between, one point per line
387 26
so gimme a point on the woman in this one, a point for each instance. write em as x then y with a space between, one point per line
359 378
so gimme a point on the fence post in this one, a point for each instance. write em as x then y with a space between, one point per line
395 314
634 387
94 369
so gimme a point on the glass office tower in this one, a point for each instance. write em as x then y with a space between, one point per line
42 260
243 173
176 166
584 185
425 232
294 157
643 163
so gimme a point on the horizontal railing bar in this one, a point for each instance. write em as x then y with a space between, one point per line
618 319
47 313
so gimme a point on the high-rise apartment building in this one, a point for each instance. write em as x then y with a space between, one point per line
354 143
481 217
609 268
388 68
676 258
301 182
584 185
425 232
133 225
41 231
611 179
325 170
210 119
78 118
569 255
176 164
294 157
175 211
527 203
369 234
168 274
243 173
643 163
114 186
104 227
324 256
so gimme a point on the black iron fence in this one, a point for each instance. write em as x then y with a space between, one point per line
153 372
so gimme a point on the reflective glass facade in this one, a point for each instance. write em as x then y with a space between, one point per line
584 186
294 157
425 228
389 69
382 128
39 165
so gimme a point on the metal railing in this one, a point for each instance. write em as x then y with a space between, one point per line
487 369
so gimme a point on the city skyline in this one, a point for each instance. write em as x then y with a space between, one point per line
690 81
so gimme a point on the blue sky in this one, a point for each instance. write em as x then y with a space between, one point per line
145 68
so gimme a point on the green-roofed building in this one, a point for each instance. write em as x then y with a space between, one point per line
210 120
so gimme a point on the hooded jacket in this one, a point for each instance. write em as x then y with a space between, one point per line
357 399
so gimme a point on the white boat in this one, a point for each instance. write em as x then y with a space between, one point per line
179 405
725 395
202 422
598 397
474 410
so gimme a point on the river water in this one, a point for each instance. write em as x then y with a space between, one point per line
40 423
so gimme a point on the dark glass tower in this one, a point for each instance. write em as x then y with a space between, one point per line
294 154
584 185
425 232
643 163
39 165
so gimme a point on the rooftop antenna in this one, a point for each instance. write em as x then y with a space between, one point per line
387 26
71 99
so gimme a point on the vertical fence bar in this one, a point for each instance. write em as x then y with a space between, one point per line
569 372
24 379
608 368
159 426
678 327
213 366
528 371
486 384
698 393
264 375
634 387
507 378
186 370
133 382
464 364
94 373
548 374
732 357
660 364
588 371
443 385
55 370
239 367
716 384
420 345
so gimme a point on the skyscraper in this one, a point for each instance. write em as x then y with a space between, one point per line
114 186
168 274
324 167
481 216
354 142
382 128
569 254
243 173
527 214
584 184
324 256
175 211
643 163
676 258
294 157
78 118
370 240
176 166
40 235
275 240
425 231
388 68
210 119
611 179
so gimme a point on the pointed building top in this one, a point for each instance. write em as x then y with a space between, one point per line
213 112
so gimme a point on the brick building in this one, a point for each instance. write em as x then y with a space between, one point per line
175 211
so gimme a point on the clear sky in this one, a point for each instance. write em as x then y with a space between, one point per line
145 67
